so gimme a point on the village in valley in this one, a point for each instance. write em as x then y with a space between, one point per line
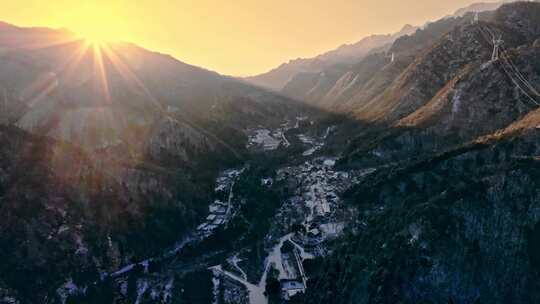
312 215
308 216
220 211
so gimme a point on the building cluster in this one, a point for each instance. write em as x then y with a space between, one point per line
268 140
221 209
265 139
294 280
316 187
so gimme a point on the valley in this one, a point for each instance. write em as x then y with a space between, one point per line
307 215
403 168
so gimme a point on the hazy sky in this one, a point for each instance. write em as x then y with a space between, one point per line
235 37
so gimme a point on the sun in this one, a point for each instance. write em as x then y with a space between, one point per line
97 22
96 36
96 32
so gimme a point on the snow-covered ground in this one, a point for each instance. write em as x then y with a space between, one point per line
274 260
234 261
142 286
215 290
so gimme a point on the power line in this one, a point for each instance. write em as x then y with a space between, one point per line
518 86
512 72
519 74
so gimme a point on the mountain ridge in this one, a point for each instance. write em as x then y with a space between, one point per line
278 77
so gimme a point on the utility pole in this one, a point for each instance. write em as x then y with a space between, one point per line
496 46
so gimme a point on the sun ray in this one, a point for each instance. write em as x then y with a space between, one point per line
116 122
134 84
69 66
101 73
130 77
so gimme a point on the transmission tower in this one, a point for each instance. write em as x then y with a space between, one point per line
497 42
476 18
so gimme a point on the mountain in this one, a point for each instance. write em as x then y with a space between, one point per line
452 199
352 53
109 154
36 37
57 88
127 176
277 78
480 7
440 229
340 91
283 76
428 96
356 84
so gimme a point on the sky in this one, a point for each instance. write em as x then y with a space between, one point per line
232 37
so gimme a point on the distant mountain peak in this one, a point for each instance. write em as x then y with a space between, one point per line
480 7
407 27
277 78
5 24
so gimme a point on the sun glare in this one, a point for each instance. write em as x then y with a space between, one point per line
97 22
96 36
94 39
